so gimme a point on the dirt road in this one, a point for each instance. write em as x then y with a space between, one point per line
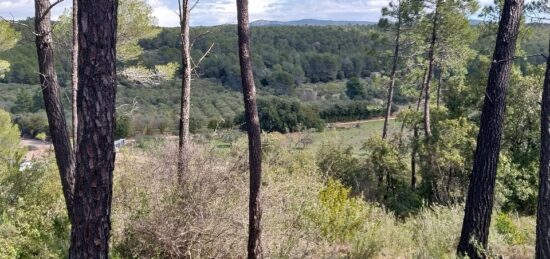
36 148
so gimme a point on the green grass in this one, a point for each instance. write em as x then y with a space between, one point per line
353 136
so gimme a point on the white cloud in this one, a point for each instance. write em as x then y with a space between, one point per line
212 12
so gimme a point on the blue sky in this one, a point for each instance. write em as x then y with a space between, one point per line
212 12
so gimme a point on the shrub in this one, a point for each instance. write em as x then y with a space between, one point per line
123 127
33 221
32 123
506 227
277 114
337 215
356 110
41 136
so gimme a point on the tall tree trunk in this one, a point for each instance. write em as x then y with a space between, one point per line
414 150
253 128
75 76
97 24
413 158
54 109
479 203
431 63
440 81
392 74
183 162
543 210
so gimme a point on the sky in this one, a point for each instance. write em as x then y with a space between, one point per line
214 12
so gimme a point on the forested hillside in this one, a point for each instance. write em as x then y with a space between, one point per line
307 63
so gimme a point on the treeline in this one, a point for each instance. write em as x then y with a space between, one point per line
284 57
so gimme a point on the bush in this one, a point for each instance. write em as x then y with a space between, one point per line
123 127
337 215
278 114
355 89
32 123
41 136
356 110
33 222
506 227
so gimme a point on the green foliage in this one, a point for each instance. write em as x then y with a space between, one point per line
33 220
517 186
41 136
352 111
337 215
281 115
340 163
123 127
447 159
32 123
8 39
10 152
355 89
506 227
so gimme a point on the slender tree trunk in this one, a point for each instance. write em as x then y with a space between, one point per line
439 84
183 162
52 101
392 75
75 77
413 158
479 203
253 128
422 90
431 63
97 24
543 210
414 150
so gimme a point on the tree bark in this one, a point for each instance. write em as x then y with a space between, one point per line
431 63
253 128
392 74
543 209
479 203
97 24
74 77
54 108
440 81
413 158
183 162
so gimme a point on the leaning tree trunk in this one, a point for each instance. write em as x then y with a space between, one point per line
54 109
479 203
74 77
97 24
253 128
392 75
431 63
183 155
543 210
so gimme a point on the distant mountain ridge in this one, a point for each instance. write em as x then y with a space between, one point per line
310 22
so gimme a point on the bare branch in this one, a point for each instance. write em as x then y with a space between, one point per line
195 4
197 38
519 57
50 8
203 56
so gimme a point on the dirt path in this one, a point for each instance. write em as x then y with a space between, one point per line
36 148
353 123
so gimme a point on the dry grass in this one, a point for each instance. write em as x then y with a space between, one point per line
153 218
